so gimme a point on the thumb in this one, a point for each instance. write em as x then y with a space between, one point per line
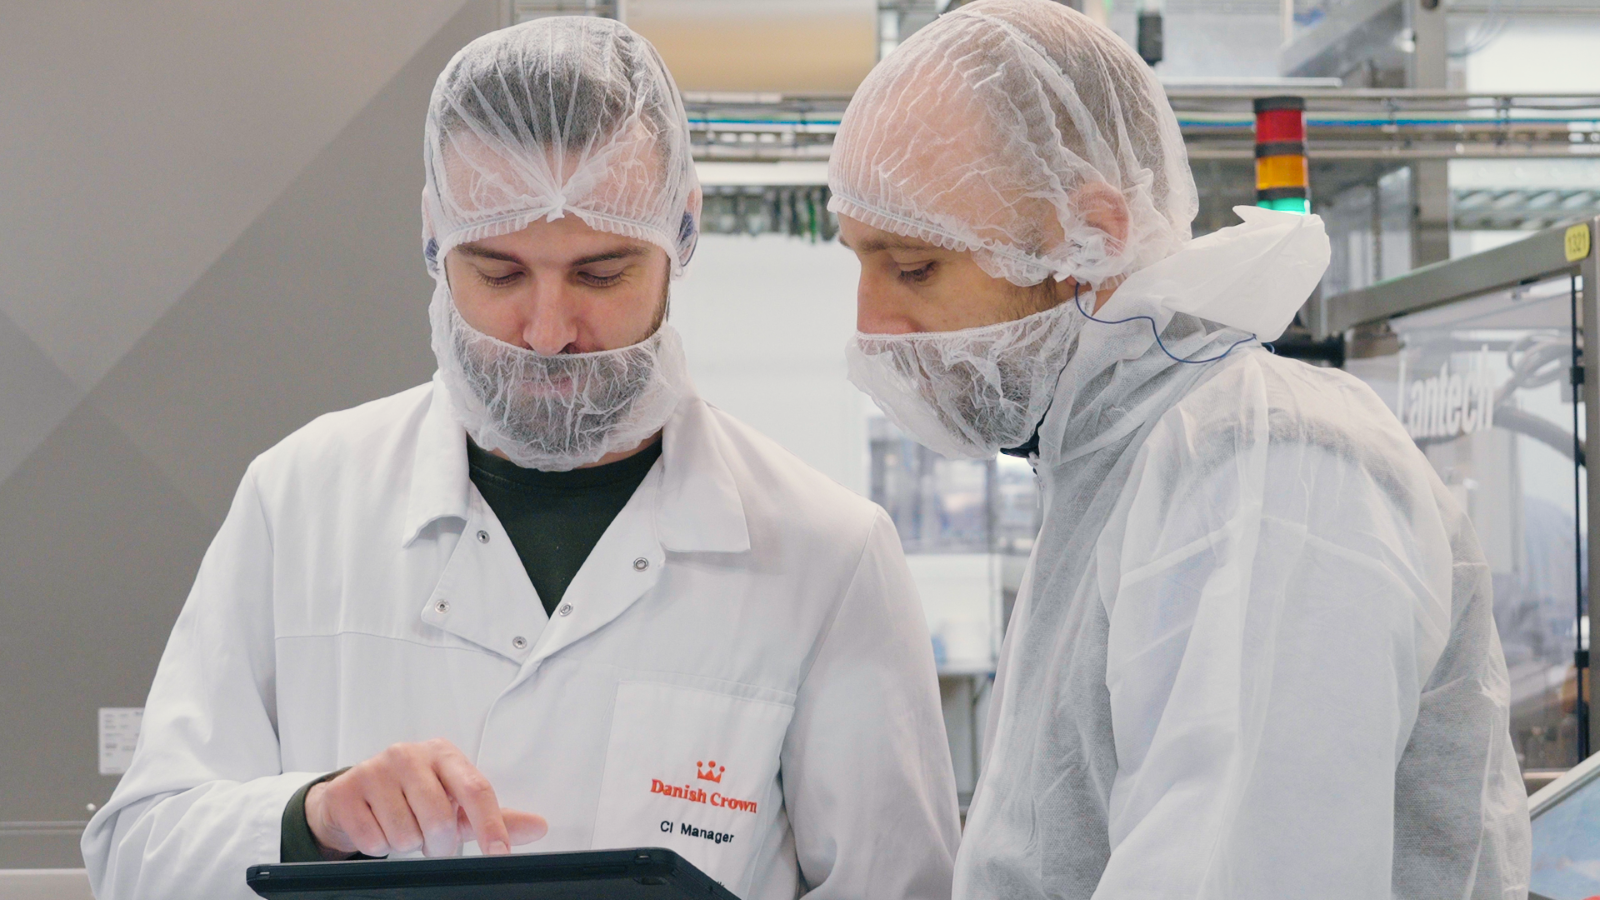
523 827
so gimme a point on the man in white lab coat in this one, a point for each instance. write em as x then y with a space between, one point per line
1253 656
552 593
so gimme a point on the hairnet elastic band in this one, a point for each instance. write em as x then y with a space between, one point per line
1155 331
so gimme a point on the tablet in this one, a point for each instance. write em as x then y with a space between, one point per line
647 873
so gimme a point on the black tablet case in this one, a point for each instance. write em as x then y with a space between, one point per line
647 873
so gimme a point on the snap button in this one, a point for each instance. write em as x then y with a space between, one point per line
565 610
519 642
483 536
640 564
442 607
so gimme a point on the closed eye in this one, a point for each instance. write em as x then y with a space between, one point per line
918 275
593 280
500 280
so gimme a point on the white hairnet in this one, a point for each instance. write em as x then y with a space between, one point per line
557 115
989 130
572 114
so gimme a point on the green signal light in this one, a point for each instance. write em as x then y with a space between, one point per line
1299 205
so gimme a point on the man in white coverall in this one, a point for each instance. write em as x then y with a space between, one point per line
553 589
1253 657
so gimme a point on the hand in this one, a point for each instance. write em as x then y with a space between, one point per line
415 795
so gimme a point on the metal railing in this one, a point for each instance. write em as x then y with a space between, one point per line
1342 124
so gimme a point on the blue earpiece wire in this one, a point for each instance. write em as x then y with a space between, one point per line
1032 444
1193 362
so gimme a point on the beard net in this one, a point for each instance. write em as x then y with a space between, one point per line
555 116
1002 128
968 394
555 413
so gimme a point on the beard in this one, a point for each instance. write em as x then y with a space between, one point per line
564 402
560 405
562 411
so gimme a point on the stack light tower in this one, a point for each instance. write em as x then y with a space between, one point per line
1283 177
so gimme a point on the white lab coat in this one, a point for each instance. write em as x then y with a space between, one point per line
741 610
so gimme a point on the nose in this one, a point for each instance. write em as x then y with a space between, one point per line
549 320
876 310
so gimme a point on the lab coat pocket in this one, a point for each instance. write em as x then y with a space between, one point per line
695 771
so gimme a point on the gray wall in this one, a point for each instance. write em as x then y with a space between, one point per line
209 236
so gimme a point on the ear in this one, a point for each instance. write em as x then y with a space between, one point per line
689 228
1103 207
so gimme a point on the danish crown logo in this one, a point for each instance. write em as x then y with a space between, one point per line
703 771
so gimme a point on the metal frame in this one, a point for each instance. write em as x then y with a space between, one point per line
1589 321
1344 126
1563 787
1539 257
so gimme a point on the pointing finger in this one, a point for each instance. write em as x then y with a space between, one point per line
524 827
473 793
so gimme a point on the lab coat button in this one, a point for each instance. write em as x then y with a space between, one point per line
565 610
519 642
640 564
442 607
483 536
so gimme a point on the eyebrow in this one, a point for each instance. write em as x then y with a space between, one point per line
482 252
625 253
879 244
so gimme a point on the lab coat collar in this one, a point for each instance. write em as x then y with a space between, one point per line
697 510
699 507
440 487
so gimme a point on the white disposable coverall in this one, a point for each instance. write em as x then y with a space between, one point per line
741 609
1253 655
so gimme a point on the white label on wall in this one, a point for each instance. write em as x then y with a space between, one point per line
119 734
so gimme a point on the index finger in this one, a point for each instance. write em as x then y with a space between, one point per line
472 792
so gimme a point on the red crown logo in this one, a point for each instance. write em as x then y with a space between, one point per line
711 772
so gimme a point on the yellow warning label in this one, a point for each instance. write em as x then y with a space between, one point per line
1577 242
